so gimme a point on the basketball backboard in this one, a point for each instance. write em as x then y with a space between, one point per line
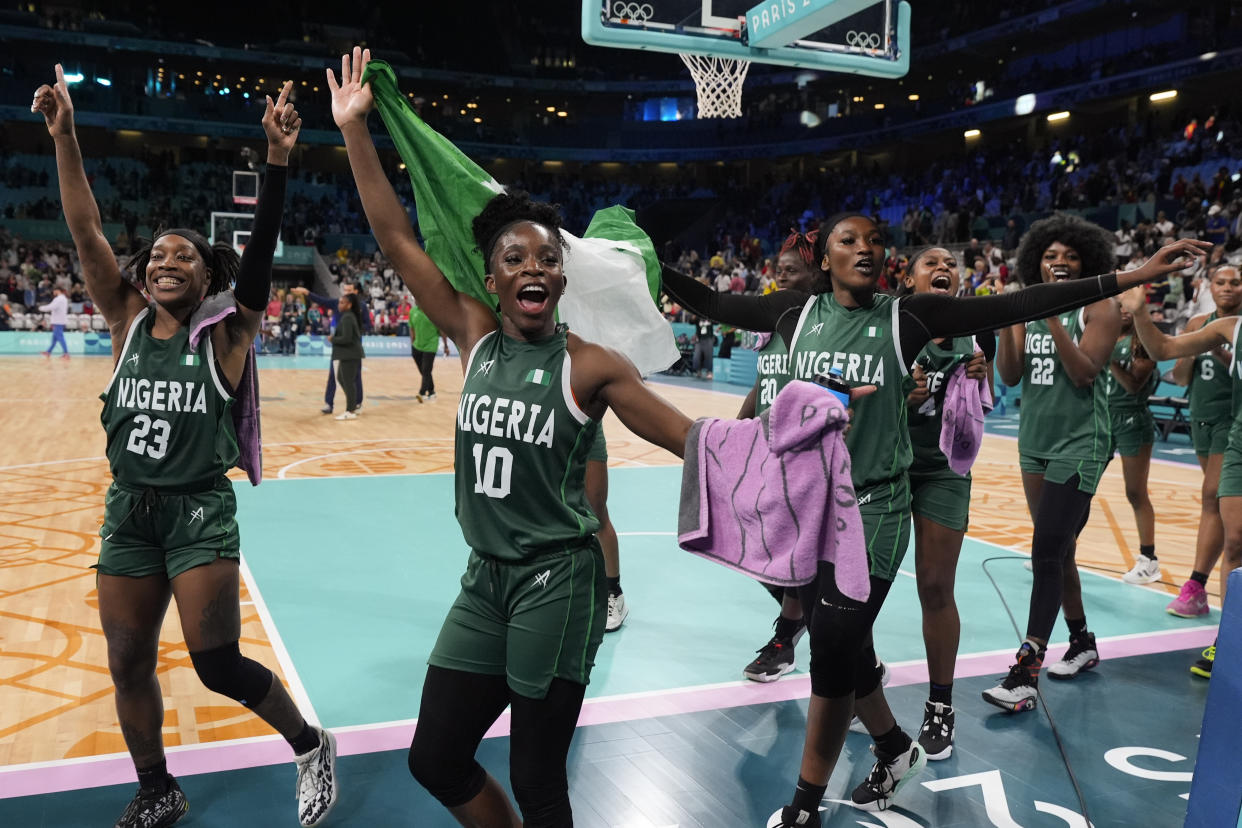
236 228
871 41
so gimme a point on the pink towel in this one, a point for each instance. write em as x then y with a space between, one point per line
966 401
771 497
245 410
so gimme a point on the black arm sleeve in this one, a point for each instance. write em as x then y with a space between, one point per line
254 276
926 316
750 313
987 344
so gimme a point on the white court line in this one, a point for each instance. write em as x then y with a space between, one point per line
50 463
281 474
296 689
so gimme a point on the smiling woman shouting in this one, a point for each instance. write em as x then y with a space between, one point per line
524 630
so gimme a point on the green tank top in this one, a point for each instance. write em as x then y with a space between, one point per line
166 413
1119 399
1211 389
426 336
522 446
861 343
1059 419
925 422
773 367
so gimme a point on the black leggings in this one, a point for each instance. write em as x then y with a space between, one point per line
458 708
1060 515
425 360
348 372
842 654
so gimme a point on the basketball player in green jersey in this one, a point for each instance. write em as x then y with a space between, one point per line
1211 391
939 496
1130 381
170 527
796 269
1063 441
1208 339
524 630
865 334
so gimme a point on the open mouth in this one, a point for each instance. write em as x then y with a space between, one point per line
532 298
941 283
167 281
1059 271
865 266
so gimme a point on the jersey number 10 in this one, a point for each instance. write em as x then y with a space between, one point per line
493 475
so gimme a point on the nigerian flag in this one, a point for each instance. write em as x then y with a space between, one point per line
612 275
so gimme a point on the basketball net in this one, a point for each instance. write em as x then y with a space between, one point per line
718 81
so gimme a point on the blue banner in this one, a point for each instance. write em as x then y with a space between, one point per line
34 342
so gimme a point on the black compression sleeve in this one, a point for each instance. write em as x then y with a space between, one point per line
750 313
925 316
987 344
254 276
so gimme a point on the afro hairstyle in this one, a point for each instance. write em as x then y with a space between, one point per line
1093 243
507 209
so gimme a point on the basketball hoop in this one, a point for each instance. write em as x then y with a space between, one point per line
718 81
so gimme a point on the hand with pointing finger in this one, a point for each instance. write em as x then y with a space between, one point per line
282 124
55 104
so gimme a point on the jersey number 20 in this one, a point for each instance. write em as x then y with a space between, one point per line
492 476
149 437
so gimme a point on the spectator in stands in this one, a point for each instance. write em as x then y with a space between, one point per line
1217 226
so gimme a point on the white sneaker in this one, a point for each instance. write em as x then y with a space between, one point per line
1145 571
888 776
617 611
316 786
348 415
1081 655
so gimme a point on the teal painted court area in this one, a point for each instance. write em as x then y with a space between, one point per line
358 601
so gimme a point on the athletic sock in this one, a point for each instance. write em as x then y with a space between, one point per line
1077 626
788 627
941 693
894 743
306 741
807 796
1032 656
614 585
1149 551
1200 577
154 779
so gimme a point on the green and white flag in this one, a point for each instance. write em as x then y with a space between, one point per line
538 376
612 275
191 359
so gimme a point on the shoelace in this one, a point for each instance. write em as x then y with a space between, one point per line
308 771
1017 677
936 722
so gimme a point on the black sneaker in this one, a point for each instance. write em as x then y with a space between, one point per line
155 810
936 734
1203 667
889 775
791 817
776 658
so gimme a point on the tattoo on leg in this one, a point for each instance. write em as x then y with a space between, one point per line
221 619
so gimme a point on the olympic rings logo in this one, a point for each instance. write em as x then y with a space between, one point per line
633 11
862 40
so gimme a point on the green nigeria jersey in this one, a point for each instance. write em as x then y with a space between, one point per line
937 361
1211 389
166 412
1059 419
521 450
773 367
862 344
1119 399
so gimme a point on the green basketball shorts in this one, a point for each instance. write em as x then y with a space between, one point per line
529 621
1061 469
1131 430
148 531
941 496
1231 465
885 510
1210 436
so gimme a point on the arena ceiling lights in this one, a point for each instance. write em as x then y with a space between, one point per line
1167 95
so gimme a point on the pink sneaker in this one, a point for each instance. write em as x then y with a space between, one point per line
1191 602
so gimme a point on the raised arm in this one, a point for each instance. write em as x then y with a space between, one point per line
1162 346
752 313
118 300
281 124
462 317
925 316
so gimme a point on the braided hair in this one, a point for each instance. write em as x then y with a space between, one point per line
505 210
1093 244
220 258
